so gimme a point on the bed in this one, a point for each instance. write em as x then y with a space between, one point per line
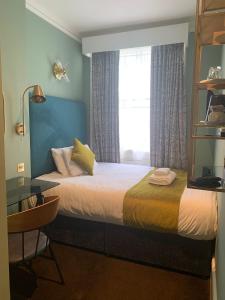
90 214
100 198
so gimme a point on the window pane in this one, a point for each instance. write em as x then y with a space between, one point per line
135 105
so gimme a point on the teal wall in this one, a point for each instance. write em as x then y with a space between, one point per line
13 47
46 45
29 47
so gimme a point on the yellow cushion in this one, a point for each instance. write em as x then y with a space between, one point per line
83 156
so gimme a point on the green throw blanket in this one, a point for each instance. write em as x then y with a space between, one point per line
154 207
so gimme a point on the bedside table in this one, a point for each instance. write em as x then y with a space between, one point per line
22 188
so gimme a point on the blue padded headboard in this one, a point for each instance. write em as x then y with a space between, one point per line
54 123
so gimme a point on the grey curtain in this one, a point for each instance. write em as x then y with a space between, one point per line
168 108
104 127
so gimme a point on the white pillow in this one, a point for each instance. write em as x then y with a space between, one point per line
57 154
73 168
64 164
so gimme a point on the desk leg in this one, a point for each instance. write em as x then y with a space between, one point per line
20 206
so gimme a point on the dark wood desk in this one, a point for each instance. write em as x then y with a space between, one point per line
21 188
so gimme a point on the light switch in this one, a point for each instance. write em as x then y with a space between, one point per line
20 167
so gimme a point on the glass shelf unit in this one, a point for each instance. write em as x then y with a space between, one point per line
214 84
204 136
209 125
213 32
211 5
208 137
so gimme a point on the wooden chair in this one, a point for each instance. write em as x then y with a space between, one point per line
27 238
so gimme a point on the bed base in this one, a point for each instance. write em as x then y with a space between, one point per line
159 249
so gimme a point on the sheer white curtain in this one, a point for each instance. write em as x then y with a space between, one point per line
134 105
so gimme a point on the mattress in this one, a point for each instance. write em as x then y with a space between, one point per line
100 198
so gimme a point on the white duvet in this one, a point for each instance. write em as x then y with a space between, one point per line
100 198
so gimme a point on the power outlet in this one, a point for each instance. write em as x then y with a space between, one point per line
20 167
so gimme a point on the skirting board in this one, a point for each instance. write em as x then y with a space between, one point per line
213 285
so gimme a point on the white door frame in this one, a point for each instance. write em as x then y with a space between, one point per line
4 264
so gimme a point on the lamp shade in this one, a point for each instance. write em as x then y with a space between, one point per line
38 95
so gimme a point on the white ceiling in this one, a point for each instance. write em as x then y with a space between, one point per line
79 17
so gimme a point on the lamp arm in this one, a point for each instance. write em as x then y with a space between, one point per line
23 99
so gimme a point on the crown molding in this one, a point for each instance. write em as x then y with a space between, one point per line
50 20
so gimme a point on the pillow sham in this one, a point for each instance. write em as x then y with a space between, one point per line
83 156
72 167
57 154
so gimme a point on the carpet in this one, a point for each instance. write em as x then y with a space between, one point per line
92 276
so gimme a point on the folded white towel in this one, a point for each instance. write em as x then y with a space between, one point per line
162 180
162 171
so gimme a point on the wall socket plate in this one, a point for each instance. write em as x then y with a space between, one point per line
20 167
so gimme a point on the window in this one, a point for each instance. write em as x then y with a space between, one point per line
134 102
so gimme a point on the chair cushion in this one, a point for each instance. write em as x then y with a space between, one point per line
30 240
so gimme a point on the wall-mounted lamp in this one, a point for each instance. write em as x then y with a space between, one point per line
60 72
37 97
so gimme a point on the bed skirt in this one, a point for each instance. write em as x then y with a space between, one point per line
164 250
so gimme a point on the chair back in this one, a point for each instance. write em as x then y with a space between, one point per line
34 218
